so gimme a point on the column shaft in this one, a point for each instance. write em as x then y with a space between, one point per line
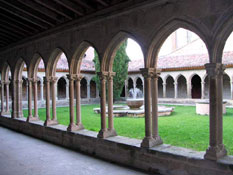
54 117
35 99
78 100
164 90
7 97
175 90
47 84
202 90
2 98
29 99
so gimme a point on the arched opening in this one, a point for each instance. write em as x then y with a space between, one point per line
170 87
139 84
182 87
25 89
196 86
83 84
61 88
160 87
130 83
206 91
226 87
93 88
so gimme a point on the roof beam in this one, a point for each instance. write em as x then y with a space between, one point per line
22 16
84 4
10 19
13 30
57 9
6 32
102 2
20 8
41 9
71 6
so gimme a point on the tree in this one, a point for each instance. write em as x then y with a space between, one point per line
120 66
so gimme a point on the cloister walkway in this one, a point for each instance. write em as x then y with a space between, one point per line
24 155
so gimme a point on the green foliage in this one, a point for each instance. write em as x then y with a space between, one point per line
120 66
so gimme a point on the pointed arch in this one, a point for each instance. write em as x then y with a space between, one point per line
76 60
19 69
34 65
163 32
5 71
114 44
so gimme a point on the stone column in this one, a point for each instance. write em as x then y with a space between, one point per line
47 84
29 118
202 90
126 89
103 130
14 100
67 89
216 148
79 124
19 99
111 130
189 87
54 97
155 131
36 117
72 126
97 91
26 89
148 140
42 90
164 90
231 89
88 90
175 89
2 98
7 97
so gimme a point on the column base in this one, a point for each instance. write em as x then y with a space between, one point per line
31 118
74 127
148 142
6 113
50 122
214 153
106 133
158 140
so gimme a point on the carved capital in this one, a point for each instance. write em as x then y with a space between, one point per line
214 69
111 75
147 72
46 79
70 77
156 73
78 77
102 75
53 79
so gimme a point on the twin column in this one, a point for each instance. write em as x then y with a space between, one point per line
5 111
104 131
151 119
78 125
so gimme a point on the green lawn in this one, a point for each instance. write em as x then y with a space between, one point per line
183 128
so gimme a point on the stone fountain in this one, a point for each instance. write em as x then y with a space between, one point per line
135 100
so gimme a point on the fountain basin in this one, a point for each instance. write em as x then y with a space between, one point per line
135 103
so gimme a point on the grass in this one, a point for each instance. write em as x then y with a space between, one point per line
183 128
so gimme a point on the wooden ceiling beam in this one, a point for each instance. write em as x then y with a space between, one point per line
17 22
71 6
19 7
84 4
7 32
13 30
51 6
22 16
102 2
41 9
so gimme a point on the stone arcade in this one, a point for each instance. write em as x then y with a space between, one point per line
104 25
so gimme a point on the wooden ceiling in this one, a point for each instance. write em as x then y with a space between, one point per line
20 19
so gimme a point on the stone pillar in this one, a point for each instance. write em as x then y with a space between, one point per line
189 87
67 89
164 90
29 100
14 100
72 126
175 89
97 91
2 98
7 97
111 130
26 89
148 140
155 131
231 89
19 99
103 130
216 148
36 117
47 84
54 98
126 89
88 90
79 124
42 90
202 90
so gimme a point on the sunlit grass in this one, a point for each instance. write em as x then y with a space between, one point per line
183 128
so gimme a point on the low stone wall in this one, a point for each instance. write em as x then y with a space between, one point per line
163 159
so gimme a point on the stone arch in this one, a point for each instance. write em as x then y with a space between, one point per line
34 65
5 71
165 30
76 60
139 83
196 86
170 91
226 86
130 83
19 69
222 30
52 62
160 87
61 88
83 87
181 86
114 44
